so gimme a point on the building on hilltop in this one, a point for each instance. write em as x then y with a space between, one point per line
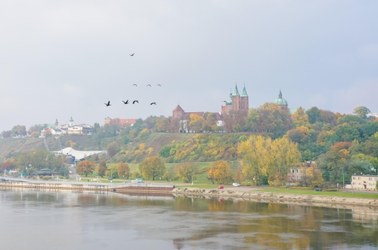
280 101
238 103
182 119
67 129
237 107
235 112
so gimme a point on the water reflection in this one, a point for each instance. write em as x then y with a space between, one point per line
114 221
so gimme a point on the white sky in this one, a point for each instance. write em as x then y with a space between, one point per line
62 59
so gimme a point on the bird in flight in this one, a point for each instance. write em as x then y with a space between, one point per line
136 85
107 104
132 54
135 101
126 102
153 103
149 85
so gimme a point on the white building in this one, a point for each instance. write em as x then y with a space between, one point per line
364 182
67 129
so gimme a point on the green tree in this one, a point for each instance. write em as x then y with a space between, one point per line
19 130
361 111
112 149
34 161
334 163
152 168
313 115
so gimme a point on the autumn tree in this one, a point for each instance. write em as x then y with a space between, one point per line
101 169
186 171
298 134
85 167
299 117
209 122
7 165
220 172
323 116
263 158
312 175
270 119
284 154
255 158
152 168
162 124
123 170
196 122
35 130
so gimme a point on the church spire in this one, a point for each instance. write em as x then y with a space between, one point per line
244 92
236 91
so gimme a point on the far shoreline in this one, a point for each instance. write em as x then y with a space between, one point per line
246 193
260 195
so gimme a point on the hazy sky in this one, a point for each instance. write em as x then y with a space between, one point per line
62 59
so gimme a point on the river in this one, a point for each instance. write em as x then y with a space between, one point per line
46 220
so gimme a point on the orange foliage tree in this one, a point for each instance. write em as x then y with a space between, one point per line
85 167
123 170
220 172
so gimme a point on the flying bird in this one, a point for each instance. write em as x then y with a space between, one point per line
132 54
135 101
107 104
136 85
126 102
153 103
149 85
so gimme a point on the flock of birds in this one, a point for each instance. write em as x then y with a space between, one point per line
107 104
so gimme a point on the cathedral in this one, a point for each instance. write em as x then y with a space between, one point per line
234 110
239 102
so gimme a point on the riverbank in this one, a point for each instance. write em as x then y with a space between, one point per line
258 194
261 195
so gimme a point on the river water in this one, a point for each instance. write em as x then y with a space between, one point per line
67 220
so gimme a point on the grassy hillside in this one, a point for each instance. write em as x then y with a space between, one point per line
12 146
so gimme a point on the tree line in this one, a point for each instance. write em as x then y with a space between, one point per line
260 148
